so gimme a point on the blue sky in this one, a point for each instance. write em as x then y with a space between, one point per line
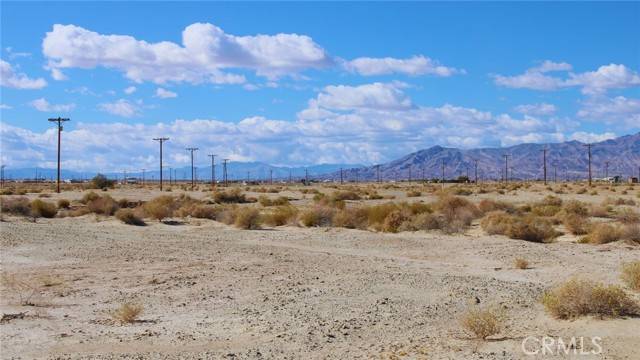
308 83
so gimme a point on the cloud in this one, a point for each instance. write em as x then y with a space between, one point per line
130 90
619 110
414 66
586 137
121 107
165 94
536 109
43 105
16 54
10 78
5 107
205 54
606 77
381 96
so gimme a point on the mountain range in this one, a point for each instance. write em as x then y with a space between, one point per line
566 160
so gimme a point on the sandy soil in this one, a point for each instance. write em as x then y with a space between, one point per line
213 291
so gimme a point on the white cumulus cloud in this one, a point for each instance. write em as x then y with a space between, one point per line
42 104
130 90
10 78
165 94
536 109
414 66
121 107
205 55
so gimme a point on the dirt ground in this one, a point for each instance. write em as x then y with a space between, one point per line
212 291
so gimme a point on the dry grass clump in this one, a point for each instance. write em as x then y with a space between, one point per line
618 201
602 233
90 196
233 196
161 207
345 195
317 216
520 263
63 204
631 275
279 201
482 323
602 211
281 215
413 193
104 205
488 205
203 211
16 206
128 313
129 216
631 233
457 212
394 220
576 224
351 218
247 218
529 227
627 216
44 209
579 297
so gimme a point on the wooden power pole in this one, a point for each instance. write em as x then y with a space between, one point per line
59 120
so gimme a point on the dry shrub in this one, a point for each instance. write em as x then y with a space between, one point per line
575 207
201 211
602 233
457 212
247 218
547 207
90 196
345 195
423 221
631 275
618 201
128 313
317 216
413 193
631 233
394 220
627 216
521 263
128 216
44 209
497 223
351 218
104 205
281 215
63 204
579 297
377 213
160 207
576 224
602 211
233 196
16 206
279 201
488 205
528 228
482 323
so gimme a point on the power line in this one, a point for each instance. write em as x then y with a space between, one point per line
59 120
161 140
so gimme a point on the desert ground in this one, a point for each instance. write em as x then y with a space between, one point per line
211 290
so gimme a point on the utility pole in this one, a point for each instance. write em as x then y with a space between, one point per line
213 171
356 176
59 120
248 177
506 168
172 179
290 177
192 149
143 173
224 171
589 150
476 170
443 173
341 177
555 172
423 179
161 140
378 172
271 176
409 173
606 169
2 176
544 164
306 176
